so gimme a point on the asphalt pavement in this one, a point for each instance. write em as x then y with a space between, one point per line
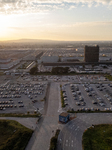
49 122
70 138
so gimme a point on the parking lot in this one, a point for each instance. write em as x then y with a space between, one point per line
22 97
84 97
81 92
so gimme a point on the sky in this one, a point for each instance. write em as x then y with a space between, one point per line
63 20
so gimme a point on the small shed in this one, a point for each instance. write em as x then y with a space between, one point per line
64 117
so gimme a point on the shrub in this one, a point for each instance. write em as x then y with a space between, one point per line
34 70
60 70
53 142
62 99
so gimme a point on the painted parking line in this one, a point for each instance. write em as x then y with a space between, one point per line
66 143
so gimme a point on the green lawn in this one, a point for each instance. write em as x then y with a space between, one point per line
98 138
13 135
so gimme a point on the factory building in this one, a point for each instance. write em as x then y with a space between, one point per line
91 53
48 59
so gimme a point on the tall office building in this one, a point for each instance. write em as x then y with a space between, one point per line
91 53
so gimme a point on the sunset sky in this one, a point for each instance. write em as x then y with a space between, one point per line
71 20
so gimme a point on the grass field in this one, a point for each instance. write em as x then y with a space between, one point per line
98 137
13 135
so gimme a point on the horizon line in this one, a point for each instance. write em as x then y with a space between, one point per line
57 40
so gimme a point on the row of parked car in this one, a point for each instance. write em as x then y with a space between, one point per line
88 109
94 109
3 107
77 95
15 91
106 92
6 102
94 97
10 96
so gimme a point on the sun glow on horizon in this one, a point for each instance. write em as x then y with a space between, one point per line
63 21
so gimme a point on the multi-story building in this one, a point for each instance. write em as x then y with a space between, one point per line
91 53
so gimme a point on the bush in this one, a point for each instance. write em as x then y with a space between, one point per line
62 99
28 112
109 77
34 70
53 142
60 70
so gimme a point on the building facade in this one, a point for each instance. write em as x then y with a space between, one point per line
91 53
64 117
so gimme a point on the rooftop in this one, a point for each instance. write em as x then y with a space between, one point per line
64 114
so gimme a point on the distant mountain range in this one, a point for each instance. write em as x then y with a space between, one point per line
34 41
45 41
28 43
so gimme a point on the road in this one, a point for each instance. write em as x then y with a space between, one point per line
70 137
49 122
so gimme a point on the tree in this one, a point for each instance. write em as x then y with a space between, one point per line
34 70
60 70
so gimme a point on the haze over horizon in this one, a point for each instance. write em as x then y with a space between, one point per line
50 40
60 20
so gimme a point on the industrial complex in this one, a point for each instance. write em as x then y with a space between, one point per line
68 90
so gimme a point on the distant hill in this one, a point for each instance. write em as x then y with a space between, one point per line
49 41
42 43
32 41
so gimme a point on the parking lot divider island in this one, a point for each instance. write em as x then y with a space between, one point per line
53 141
62 98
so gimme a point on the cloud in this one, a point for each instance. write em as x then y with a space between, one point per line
34 6
16 28
72 7
78 24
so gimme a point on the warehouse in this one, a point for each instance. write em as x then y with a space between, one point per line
48 59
